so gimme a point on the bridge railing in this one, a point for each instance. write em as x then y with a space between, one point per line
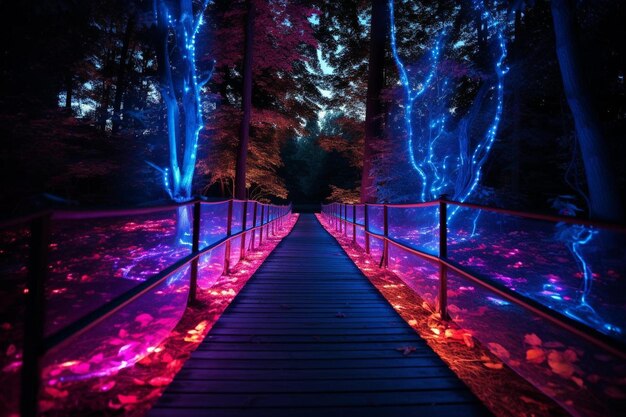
119 279
545 292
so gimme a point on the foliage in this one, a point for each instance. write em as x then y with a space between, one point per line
284 91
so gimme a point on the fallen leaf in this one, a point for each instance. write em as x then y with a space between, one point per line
56 393
105 386
535 355
160 381
560 365
80 368
202 325
143 319
12 367
498 350
532 339
138 381
570 356
127 399
413 322
578 381
529 400
493 365
97 358
468 340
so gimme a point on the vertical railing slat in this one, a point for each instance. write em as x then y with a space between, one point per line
254 214
244 224
367 228
384 261
261 224
35 316
195 247
229 230
443 254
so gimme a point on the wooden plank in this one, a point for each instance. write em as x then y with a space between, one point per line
309 335
309 355
315 347
287 387
306 400
412 410
315 374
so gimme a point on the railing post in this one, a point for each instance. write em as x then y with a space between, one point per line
367 226
229 227
443 255
262 224
353 223
244 222
384 261
195 247
340 217
345 219
35 316
254 213
273 222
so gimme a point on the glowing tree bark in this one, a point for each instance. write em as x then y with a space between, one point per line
431 143
180 86
603 198
246 106
375 84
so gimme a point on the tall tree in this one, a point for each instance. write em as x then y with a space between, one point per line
122 69
375 83
246 104
180 84
604 198
284 92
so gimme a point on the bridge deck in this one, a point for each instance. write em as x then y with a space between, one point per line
310 336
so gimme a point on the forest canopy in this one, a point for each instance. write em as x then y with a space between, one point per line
83 118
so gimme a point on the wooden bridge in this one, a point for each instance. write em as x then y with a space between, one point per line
309 335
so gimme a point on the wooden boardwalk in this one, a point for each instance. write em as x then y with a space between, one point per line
309 335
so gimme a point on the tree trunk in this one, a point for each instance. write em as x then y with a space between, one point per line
603 196
120 84
517 107
104 105
379 27
246 106
68 90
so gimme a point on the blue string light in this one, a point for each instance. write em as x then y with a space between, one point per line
431 150
178 177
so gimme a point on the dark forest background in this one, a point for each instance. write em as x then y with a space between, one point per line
82 122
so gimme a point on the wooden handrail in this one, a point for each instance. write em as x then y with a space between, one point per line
589 334
36 345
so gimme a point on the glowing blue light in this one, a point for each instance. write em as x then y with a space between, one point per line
178 177
498 301
429 149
